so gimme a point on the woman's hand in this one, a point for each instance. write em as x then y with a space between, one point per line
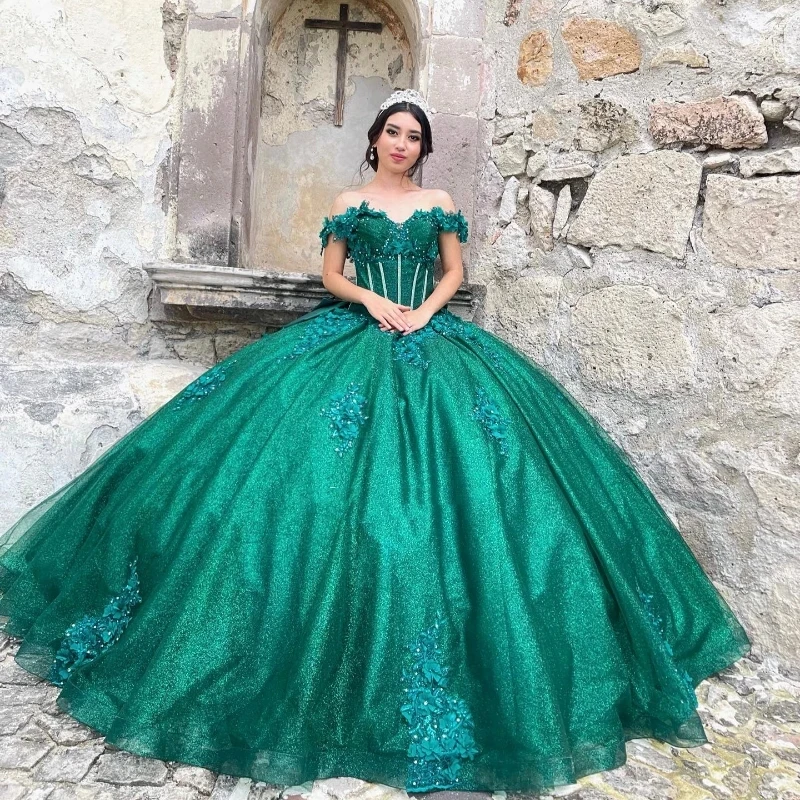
416 318
388 313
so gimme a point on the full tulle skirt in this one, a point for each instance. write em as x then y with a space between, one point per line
347 552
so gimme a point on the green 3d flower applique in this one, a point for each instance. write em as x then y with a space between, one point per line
487 412
323 326
87 638
407 347
440 723
205 384
345 410
452 326
657 624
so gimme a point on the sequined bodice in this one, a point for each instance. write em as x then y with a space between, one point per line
394 259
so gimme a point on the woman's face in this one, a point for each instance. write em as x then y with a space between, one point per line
400 142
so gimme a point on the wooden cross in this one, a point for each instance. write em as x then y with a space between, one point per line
343 25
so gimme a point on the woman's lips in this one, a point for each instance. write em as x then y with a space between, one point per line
398 158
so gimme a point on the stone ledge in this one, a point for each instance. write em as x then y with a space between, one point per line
208 292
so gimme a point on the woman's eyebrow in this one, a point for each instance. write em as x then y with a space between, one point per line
392 125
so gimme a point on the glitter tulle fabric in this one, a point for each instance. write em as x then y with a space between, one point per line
345 552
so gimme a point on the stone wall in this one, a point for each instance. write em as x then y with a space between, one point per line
88 105
295 121
635 223
641 241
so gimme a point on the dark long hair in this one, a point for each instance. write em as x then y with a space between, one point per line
375 130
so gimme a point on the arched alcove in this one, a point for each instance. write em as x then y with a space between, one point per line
300 156
258 156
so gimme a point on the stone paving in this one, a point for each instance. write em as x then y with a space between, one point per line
751 713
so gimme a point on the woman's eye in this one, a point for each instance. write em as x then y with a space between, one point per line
414 138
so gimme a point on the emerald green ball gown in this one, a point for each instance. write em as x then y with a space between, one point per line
410 559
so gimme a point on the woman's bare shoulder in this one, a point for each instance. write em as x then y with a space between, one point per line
428 199
439 197
343 201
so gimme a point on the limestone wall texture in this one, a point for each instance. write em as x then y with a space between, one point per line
635 220
89 100
641 240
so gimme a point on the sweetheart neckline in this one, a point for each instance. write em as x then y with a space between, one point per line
381 212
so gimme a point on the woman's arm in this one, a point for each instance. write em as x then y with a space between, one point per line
333 259
452 265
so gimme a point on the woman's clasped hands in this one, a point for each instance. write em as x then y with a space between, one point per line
395 316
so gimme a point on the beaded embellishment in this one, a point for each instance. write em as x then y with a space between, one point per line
87 638
406 347
657 623
321 327
489 415
451 221
205 384
360 249
341 226
452 326
345 410
440 723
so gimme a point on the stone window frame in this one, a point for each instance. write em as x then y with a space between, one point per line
221 68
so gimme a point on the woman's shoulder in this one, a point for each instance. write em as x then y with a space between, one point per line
344 200
441 198
352 198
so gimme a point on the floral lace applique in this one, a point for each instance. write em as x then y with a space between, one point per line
341 226
319 328
87 638
453 327
440 723
345 410
449 324
344 226
205 384
489 415
406 347
451 221
658 626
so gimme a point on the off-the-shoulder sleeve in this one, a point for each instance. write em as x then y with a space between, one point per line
340 225
452 221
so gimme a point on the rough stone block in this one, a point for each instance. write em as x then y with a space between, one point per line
67 764
753 224
198 778
12 718
454 134
632 339
603 123
16 753
643 201
599 48
510 156
450 19
542 205
535 64
128 769
770 162
727 122
205 181
454 83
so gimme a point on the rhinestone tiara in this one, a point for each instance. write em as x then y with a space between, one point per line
406 96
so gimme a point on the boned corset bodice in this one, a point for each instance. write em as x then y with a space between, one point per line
394 259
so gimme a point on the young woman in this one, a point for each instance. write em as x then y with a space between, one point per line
379 543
